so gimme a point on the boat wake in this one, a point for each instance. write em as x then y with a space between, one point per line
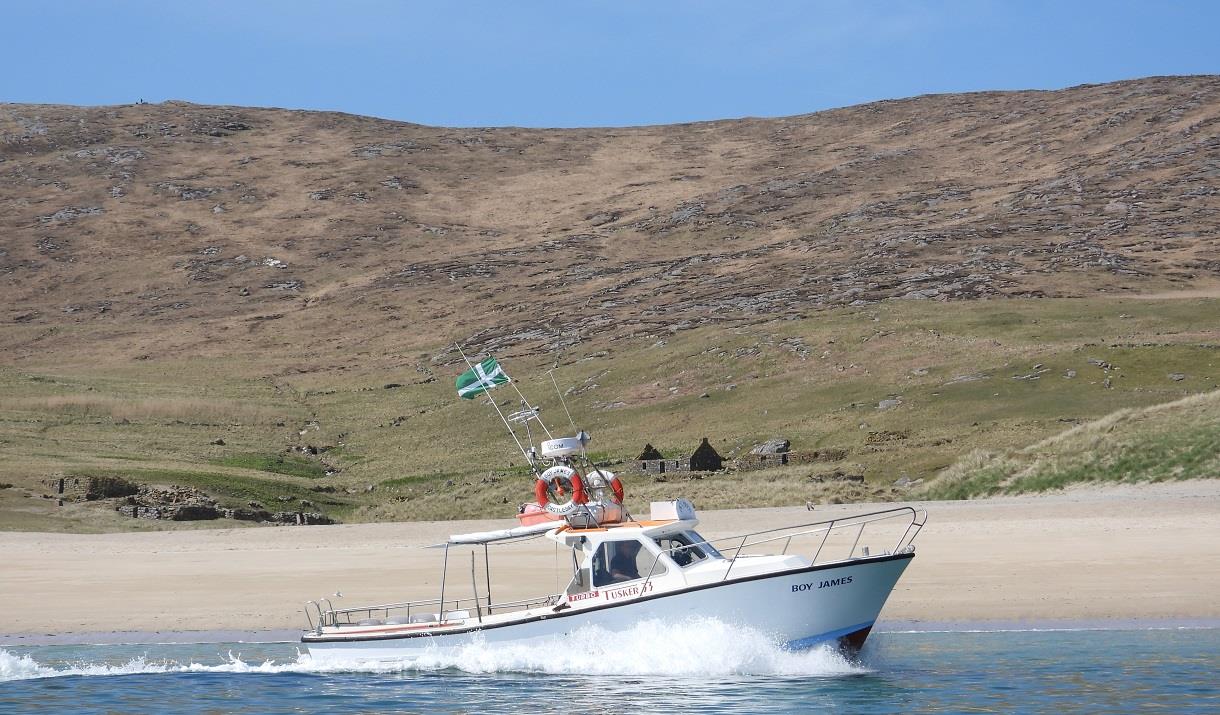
696 647
24 667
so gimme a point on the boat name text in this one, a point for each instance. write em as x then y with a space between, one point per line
628 591
797 588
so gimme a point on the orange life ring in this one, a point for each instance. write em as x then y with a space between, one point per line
617 487
554 478
578 489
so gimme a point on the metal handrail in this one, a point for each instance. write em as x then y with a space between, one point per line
395 606
309 617
334 617
918 519
537 600
884 514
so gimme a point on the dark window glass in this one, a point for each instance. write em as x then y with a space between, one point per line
622 561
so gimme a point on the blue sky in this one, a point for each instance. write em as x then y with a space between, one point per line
614 63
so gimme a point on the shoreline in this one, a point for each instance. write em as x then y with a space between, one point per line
1096 556
892 627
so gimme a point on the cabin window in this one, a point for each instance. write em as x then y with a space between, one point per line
707 548
580 582
686 548
580 576
621 561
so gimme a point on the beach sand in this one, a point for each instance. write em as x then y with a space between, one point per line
1147 553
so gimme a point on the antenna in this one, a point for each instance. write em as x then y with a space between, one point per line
584 440
580 433
525 405
563 402
523 416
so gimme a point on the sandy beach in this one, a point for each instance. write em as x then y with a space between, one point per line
1147 553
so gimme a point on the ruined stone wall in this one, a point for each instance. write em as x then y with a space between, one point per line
173 503
89 488
660 466
750 462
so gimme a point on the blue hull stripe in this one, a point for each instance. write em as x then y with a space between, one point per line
822 638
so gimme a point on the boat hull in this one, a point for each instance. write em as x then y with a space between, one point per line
797 608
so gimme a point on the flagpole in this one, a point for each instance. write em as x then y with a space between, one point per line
507 426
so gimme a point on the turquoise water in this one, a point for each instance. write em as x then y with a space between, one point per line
696 667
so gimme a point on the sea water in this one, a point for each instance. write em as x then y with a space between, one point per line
698 666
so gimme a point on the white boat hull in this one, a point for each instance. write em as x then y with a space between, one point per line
798 608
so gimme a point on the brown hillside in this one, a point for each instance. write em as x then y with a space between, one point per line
326 240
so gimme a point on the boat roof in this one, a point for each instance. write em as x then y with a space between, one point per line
651 528
561 532
487 537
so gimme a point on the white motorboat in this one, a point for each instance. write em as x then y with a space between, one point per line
626 571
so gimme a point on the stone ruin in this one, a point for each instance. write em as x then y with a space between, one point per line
172 503
766 460
705 458
650 453
772 453
90 488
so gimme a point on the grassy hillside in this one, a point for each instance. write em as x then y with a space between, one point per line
904 388
1175 440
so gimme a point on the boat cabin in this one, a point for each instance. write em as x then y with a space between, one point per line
616 561
614 556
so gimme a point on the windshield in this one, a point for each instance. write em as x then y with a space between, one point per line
687 548
703 544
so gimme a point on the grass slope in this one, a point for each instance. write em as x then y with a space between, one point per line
904 388
1175 440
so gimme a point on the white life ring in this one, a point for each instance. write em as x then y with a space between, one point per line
560 479
599 480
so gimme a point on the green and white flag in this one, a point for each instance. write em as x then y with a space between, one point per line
481 378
